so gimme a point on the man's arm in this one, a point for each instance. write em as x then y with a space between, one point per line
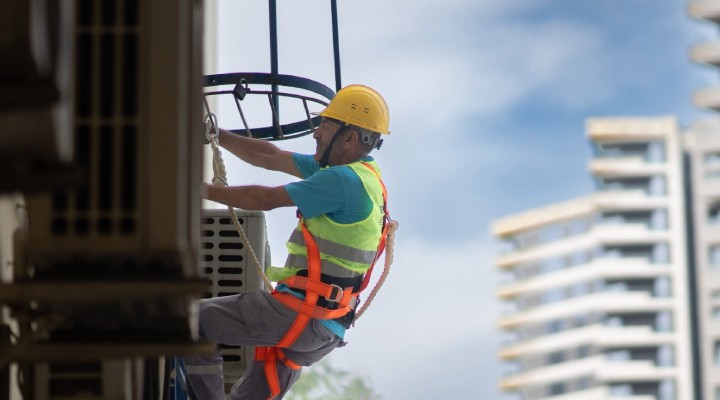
260 198
259 153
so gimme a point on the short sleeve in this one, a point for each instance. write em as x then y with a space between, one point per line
320 193
306 164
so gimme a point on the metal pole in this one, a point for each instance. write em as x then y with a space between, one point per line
274 58
336 44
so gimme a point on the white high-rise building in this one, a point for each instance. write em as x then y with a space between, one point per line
702 143
703 148
598 286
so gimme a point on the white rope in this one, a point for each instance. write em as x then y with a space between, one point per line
389 255
220 179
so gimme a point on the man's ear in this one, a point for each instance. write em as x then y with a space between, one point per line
352 137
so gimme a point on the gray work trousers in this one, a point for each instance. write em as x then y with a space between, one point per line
252 319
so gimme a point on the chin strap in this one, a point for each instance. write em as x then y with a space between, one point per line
326 155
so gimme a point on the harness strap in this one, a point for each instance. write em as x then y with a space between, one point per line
301 321
312 310
308 309
332 293
271 355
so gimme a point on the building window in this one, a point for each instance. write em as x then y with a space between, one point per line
661 254
657 186
663 322
658 219
655 152
712 159
556 357
580 289
553 326
556 389
665 356
618 356
620 390
714 256
717 354
666 391
584 383
581 257
553 296
713 214
716 313
662 287
527 240
614 321
583 351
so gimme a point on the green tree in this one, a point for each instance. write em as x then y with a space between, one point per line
323 381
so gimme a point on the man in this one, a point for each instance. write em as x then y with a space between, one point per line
341 204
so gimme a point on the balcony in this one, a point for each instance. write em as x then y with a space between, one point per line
627 234
636 267
706 53
596 302
705 9
550 343
707 98
628 166
634 371
599 335
632 336
563 246
628 200
594 394
553 373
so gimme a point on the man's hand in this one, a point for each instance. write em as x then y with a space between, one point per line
204 191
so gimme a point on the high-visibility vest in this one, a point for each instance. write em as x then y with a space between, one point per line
346 250
336 252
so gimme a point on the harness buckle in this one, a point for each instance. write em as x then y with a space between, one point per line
336 294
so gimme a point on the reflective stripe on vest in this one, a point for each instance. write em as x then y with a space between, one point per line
347 250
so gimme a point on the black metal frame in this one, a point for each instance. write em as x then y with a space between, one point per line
276 131
274 79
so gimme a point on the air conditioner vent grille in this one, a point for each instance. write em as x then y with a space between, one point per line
106 124
225 265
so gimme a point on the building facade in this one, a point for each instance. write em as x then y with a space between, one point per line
597 287
702 143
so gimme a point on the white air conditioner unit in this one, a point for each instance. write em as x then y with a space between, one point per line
230 269
135 217
138 134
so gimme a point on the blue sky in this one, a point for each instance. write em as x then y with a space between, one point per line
488 101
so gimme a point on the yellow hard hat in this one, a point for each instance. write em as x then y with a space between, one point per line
360 106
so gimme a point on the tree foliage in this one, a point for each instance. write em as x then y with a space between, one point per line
323 381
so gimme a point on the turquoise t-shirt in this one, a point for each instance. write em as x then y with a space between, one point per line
336 191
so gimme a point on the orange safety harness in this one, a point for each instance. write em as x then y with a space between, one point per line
307 309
